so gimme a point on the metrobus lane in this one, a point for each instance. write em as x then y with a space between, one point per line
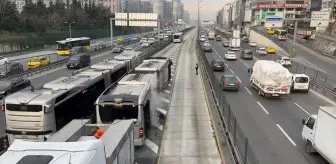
267 142
286 112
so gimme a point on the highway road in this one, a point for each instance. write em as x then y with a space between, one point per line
273 126
325 65
25 58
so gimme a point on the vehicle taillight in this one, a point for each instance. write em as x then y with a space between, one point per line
269 89
2 108
226 83
141 132
284 89
237 84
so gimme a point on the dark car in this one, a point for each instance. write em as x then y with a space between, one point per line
118 48
12 85
207 48
218 65
245 39
218 38
229 82
77 50
225 44
79 61
9 69
246 54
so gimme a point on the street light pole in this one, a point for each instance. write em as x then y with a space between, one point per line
295 31
69 24
198 14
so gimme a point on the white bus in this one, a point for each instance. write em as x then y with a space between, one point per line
130 98
177 37
38 113
280 34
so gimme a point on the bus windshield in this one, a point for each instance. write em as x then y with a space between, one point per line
176 36
109 113
63 46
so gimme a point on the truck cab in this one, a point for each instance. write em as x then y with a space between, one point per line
308 132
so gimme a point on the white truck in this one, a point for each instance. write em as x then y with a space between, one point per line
234 44
270 79
76 144
319 133
211 35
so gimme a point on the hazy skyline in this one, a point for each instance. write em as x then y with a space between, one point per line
208 8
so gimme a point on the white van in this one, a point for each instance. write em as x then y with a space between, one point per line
300 82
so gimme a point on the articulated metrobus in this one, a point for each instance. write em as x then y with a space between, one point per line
130 98
280 34
177 37
64 46
38 113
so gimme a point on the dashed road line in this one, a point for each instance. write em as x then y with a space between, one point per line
248 90
166 91
287 136
244 63
231 70
165 100
301 108
263 108
239 79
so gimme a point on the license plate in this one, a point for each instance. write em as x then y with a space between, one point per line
275 94
231 84
218 66
300 87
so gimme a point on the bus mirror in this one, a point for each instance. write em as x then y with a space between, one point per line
303 121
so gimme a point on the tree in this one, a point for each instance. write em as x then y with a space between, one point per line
9 16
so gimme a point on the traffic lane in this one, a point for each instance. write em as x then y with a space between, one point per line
307 101
266 141
285 113
314 59
66 72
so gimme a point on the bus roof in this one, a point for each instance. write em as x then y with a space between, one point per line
152 64
50 91
109 64
73 39
127 55
178 33
136 79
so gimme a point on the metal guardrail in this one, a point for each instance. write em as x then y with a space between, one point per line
239 144
319 80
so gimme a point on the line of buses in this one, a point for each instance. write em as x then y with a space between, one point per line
279 34
121 88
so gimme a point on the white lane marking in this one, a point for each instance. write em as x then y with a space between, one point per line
166 91
323 97
312 64
152 146
226 65
231 70
244 62
165 100
248 91
239 79
160 127
287 136
301 108
169 85
263 108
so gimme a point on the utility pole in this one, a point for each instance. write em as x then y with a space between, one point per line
198 14
69 23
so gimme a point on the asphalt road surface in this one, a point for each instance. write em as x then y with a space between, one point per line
273 126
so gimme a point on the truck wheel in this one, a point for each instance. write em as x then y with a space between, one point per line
260 92
309 148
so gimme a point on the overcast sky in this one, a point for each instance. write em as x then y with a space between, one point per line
208 8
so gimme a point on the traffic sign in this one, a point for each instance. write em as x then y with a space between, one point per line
293 49
292 52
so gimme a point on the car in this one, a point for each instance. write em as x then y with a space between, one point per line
128 49
79 61
245 39
246 54
118 49
252 44
218 65
38 62
261 51
145 44
143 40
270 50
10 68
8 86
230 55
151 40
218 38
207 48
284 61
225 43
229 82
3 60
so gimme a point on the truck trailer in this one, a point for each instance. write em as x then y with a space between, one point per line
270 79
319 133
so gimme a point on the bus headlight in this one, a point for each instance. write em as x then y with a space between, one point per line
46 109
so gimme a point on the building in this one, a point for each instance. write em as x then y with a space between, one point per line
158 7
176 9
186 16
133 6
219 17
145 6
167 10
181 11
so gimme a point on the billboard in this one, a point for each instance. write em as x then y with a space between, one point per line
275 6
136 19
319 19
274 19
